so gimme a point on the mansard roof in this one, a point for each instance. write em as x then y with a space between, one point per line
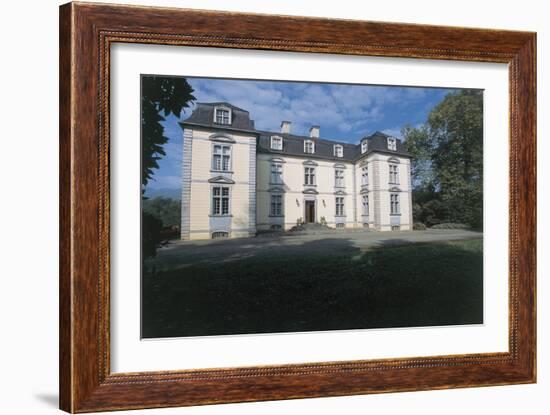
203 115
293 145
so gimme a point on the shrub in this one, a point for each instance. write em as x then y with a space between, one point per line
450 226
419 226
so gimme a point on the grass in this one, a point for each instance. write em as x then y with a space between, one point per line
392 286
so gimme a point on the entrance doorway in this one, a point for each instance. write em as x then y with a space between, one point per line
310 211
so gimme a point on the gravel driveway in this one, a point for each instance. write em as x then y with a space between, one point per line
184 253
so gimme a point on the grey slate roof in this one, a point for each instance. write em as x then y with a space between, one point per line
203 114
293 145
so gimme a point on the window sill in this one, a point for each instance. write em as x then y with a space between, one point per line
220 216
221 171
340 216
310 185
276 216
395 214
276 184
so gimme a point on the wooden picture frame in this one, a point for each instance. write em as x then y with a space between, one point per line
86 33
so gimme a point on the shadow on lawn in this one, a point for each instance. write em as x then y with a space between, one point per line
394 285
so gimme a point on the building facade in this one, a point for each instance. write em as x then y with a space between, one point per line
238 181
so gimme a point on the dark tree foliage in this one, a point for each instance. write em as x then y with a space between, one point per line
448 167
151 236
160 97
164 208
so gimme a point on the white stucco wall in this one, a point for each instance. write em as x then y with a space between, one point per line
242 175
293 186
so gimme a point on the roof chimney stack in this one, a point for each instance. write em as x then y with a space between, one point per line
285 127
314 131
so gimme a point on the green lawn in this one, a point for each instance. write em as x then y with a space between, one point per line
391 286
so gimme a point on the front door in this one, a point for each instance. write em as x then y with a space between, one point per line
310 211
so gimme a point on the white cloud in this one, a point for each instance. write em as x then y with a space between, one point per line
346 108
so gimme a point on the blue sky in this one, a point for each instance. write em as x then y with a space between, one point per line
345 112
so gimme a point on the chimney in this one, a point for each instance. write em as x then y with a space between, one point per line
285 127
314 131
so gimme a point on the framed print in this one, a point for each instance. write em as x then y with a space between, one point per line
260 207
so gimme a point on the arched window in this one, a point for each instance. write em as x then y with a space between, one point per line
392 143
276 142
222 115
309 147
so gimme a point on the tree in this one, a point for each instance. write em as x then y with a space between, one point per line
164 208
448 163
160 97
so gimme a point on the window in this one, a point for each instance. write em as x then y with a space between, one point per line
277 173
394 174
276 205
276 142
395 227
340 225
392 143
221 157
365 176
338 150
220 200
222 116
366 205
309 178
394 204
220 234
339 206
364 146
339 178
276 227
309 147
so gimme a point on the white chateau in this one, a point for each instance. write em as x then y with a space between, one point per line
237 180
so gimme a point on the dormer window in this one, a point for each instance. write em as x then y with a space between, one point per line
222 115
338 150
309 147
276 142
392 143
364 146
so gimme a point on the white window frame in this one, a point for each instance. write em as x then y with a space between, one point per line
395 208
218 209
309 176
274 139
365 203
392 143
276 173
229 115
276 207
338 150
307 148
339 178
364 146
394 173
222 157
339 206
365 175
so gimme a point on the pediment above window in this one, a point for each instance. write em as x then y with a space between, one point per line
222 138
393 160
340 193
339 166
395 189
310 163
221 180
276 190
311 192
276 160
